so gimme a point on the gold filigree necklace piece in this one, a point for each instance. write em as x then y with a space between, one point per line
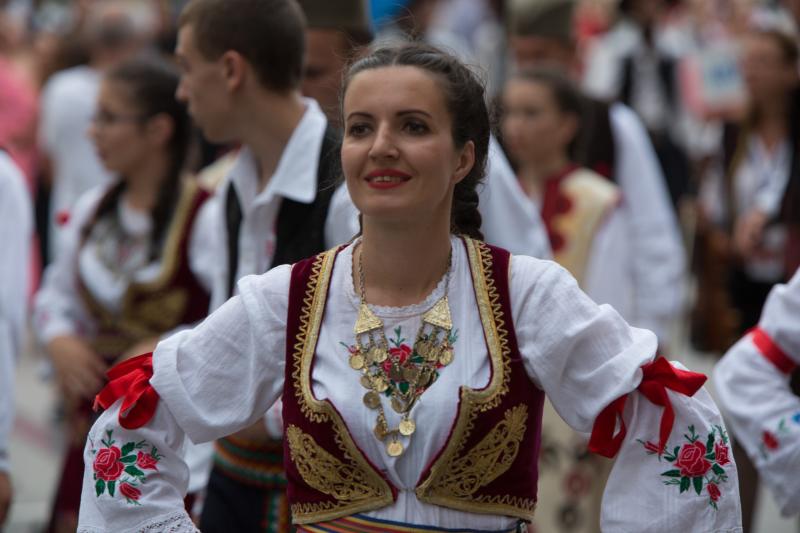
401 380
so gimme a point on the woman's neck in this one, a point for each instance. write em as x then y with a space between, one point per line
534 175
143 183
402 264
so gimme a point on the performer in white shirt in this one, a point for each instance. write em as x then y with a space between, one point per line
613 142
414 361
15 234
752 384
589 236
126 273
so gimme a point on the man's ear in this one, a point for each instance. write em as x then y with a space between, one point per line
234 69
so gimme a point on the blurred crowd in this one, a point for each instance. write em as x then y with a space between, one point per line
654 144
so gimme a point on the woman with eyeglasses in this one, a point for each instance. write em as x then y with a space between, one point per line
124 275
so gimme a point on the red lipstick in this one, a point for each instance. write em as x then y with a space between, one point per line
386 178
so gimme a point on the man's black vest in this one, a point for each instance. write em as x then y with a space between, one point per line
300 227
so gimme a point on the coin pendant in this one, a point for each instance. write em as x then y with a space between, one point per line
410 373
394 448
379 431
372 400
433 354
396 373
366 381
378 355
423 348
356 362
397 405
379 384
407 427
446 357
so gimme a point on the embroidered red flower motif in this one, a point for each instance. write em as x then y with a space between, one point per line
146 462
62 217
107 465
651 447
130 492
691 461
713 491
770 440
400 353
721 454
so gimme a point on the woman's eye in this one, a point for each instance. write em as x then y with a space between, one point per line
416 127
357 130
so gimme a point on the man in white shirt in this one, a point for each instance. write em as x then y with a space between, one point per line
614 142
15 234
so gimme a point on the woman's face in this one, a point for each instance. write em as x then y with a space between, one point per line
398 153
119 130
766 71
534 129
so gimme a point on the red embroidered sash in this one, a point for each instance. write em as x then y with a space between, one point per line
771 351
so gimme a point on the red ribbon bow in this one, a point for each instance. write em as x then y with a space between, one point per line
771 351
659 376
131 380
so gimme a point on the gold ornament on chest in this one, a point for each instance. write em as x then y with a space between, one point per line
400 379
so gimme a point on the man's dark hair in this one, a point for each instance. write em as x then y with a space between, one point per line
268 33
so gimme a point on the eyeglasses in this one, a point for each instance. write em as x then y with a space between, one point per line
106 118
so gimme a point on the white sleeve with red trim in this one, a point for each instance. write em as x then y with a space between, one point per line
752 384
587 359
212 380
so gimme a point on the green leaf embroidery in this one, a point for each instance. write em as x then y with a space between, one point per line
710 455
100 487
718 470
698 485
128 448
133 471
130 459
111 486
685 482
672 473
710 442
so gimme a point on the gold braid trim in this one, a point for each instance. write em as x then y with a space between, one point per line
502 502
357 475
452 480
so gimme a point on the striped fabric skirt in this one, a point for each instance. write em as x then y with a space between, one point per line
364 524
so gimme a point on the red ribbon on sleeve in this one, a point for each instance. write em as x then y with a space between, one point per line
771 351
659 375
131 380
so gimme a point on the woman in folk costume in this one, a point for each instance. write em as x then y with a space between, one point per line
124 276
589 237
752 382
413 362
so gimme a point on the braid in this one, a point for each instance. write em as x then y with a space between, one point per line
466 217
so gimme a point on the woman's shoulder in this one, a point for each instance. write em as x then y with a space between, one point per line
534 278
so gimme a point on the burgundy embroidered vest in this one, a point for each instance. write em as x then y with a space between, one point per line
150 309
489 463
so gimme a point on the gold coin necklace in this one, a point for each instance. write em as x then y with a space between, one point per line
401 381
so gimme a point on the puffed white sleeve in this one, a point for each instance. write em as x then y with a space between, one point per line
752 384
202 383
57 307
673 468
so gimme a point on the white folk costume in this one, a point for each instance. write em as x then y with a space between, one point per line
520 328
106 288
590 238
15 234
752 383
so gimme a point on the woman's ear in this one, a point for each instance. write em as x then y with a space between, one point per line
160 129
466 160
568 129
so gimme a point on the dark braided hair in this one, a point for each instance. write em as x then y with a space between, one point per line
151 83
464 94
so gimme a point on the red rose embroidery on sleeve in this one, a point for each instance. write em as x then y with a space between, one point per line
107 465
721 454
146 461
713 491
130 492
691 460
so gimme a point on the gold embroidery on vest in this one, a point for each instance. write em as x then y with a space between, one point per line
435 489
503 502
317 411
325 472
490 458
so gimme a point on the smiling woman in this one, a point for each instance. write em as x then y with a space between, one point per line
413 363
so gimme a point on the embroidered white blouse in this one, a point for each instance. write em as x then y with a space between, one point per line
222 375
754 393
